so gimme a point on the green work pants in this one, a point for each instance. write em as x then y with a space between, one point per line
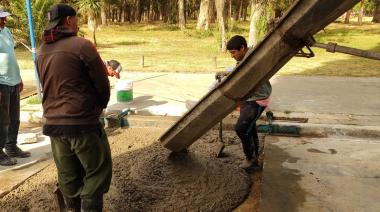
83 163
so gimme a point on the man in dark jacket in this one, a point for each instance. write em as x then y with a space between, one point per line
250 109
75 91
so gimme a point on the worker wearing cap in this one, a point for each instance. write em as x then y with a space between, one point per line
75 91
250 109
10 87
113 68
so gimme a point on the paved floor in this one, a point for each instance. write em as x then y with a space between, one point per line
167 94
321 174
163 93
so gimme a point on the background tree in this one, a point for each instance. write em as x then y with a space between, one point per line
203 17
91 9
376 13
18 23
347 17
220 7
181 14
361 12
256 10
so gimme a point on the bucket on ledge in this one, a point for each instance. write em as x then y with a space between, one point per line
124 91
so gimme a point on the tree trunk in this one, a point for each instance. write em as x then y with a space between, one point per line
376 14
220 6
91 22
361 11
94 37
103 15
203 15
245 9
236 12
181 14
92 26
255 15
211 11
229 9
347 17
122 14
240 10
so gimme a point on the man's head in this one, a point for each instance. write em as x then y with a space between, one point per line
3 18
114 68
237 46
62 15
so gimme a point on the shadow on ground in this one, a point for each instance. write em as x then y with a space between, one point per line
280 189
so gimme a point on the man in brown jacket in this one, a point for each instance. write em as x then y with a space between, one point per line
75 91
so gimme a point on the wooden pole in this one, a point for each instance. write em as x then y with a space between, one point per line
142 60
214 62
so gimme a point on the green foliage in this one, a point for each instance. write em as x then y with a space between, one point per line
89 7
369 6
160 27
34 100
19 22
199 33
235 28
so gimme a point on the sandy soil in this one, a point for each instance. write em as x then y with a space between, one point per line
148 177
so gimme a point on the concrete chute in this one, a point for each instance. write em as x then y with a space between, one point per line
294 31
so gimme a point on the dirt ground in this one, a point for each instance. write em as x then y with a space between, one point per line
148 177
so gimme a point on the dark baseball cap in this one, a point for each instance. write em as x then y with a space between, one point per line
57 12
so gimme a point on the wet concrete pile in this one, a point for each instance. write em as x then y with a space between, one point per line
148 177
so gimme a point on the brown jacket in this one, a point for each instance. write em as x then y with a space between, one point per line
74 81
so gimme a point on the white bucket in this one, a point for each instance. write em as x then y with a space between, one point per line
124 90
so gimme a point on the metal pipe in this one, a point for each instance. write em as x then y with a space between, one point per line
334 47
33 45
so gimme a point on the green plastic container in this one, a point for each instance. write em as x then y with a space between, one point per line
124 91
124 95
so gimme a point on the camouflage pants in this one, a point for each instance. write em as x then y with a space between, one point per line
9 114
83 163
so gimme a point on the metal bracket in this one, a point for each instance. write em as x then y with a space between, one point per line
297 42
301 53
307 41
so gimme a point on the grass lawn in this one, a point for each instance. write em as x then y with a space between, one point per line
166 48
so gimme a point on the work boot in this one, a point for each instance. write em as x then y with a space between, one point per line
72 204
15 151
92 204
5 160
250 164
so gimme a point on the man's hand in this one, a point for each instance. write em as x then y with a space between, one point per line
21 87
221 74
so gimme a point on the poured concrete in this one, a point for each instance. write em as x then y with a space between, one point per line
321 174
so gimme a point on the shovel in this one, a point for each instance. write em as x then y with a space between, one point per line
220 146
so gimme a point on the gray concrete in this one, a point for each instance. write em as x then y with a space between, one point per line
329 95
345 98
167 93
13 176
321 174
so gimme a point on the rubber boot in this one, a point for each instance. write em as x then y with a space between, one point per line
94 204
72 204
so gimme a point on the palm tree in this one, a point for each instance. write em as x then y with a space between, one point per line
19 21
90 8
